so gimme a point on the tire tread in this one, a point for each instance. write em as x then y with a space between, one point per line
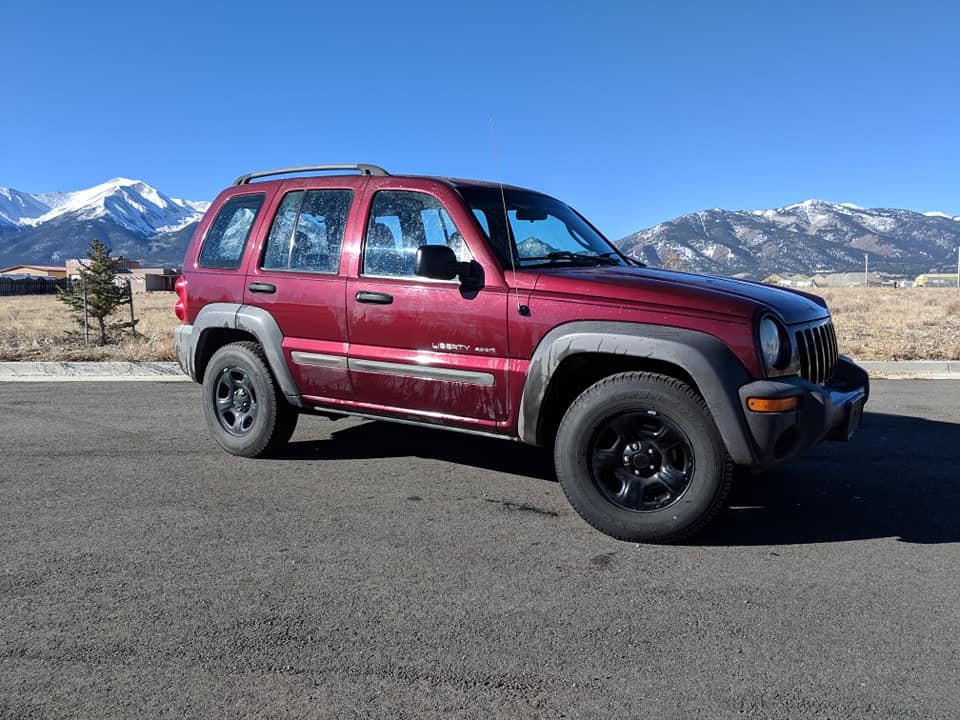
642 377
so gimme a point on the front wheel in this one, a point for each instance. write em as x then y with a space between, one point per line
244 409
639 457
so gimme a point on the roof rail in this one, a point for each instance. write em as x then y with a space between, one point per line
364 169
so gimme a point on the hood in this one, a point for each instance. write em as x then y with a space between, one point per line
705 293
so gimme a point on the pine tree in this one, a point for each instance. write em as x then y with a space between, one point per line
104 296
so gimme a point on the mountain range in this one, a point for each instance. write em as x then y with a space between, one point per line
129 216
808 237
139 222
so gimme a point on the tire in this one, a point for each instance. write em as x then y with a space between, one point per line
244 409
640 458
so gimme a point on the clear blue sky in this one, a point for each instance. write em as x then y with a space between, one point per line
633 112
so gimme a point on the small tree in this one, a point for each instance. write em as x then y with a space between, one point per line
104 296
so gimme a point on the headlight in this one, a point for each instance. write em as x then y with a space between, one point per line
772 346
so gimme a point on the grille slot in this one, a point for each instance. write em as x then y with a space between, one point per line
817 349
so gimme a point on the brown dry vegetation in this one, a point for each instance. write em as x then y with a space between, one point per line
890 324
872 324
37 327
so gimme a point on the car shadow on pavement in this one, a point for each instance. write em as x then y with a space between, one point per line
898 477
372 440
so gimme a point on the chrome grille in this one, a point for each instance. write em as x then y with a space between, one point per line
817 349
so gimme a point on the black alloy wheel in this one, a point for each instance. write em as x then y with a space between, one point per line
245 410
641 460
236 398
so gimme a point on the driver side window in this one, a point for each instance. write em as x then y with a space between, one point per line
400 222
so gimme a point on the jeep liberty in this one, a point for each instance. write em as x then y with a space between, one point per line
497 310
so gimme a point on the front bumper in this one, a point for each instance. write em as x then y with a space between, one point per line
824 412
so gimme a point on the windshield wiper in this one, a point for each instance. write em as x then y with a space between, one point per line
601 259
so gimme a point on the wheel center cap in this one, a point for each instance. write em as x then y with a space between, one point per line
241 401
641 458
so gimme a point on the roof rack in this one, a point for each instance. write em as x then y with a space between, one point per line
364 169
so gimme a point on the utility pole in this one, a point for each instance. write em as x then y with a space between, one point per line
958 267
866 270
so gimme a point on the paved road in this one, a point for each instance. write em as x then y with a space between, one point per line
384 571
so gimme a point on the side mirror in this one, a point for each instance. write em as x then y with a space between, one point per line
437 262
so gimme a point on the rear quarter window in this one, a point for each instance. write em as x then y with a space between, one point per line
227 235
307 232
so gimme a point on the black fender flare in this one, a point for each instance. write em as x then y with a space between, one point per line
260 324
715 369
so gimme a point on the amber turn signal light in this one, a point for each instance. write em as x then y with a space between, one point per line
783 404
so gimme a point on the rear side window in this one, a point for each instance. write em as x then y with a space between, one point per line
307 232
227 237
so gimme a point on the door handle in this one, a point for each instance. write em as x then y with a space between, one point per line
375 298
261 287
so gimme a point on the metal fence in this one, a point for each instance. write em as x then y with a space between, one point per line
32 285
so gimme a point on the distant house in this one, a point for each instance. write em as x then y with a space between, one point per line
144 280
141 279
52 271
828 280
123 265
796 280
936 280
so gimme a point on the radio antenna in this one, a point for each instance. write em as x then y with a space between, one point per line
521 308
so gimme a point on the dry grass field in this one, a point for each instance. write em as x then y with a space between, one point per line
872 324
37 327
890 324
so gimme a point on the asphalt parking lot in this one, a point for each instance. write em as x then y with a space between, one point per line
384 571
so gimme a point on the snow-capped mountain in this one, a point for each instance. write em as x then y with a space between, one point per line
130 203
132 217
811 236
16 206
139 222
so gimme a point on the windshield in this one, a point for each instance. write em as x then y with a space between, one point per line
542 231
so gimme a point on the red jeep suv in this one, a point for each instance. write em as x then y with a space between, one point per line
496 310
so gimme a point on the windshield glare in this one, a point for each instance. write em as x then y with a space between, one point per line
541 231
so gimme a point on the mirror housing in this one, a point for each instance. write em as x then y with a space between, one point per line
437 262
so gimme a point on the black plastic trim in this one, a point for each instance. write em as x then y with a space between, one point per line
717 372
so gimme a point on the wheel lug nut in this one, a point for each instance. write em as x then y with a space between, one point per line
652 467
650 451
636 472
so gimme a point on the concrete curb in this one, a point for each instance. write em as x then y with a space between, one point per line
88 371
913 369
170 371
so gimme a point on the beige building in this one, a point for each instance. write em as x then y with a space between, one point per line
54 271
141 279
124 264
936 280
144 280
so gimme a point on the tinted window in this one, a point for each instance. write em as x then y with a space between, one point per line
400 222
307 232
227 236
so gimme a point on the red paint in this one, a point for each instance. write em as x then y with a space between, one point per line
440 325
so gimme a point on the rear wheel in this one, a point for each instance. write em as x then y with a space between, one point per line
243 406
639 457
